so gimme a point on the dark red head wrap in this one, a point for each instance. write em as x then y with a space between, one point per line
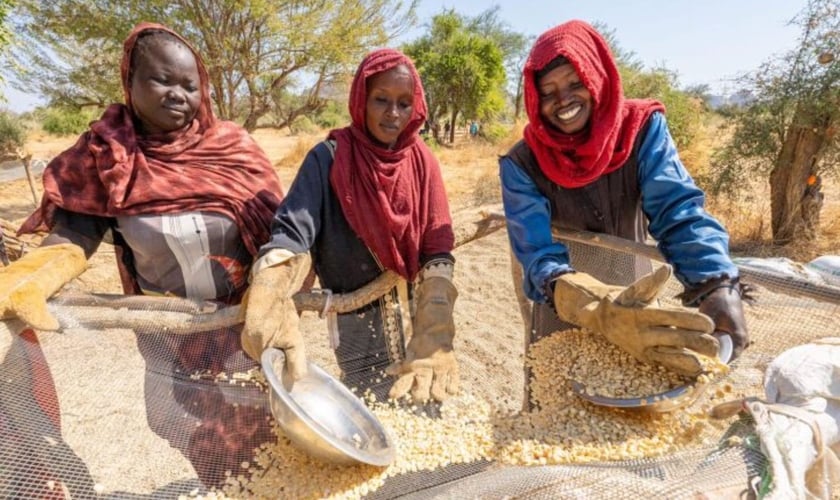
394 199
211 165
576 160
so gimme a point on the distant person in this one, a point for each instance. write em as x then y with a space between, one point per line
446 127
188 200
368 199
473 129
593 160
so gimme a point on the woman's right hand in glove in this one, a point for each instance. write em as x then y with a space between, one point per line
271 319
632 319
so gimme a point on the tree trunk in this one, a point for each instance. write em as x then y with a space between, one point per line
26 159
795 197
518 98
452 122
250 122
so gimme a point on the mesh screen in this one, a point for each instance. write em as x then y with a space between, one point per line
129 401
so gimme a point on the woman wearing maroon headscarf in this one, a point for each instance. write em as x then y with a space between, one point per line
188 200
368 199
161 169
593 160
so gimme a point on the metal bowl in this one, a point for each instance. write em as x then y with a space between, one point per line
667 401
323 417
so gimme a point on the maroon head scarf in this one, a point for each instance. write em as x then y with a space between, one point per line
394 199
576 160
210 165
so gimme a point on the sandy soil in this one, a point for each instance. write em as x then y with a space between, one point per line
487 320
489 340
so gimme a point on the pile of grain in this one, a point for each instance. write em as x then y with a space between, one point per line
563 430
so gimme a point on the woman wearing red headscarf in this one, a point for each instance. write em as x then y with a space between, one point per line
188 200
157 170
593 160
368 199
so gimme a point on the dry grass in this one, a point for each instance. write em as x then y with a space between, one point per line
471 169
747 217
470 172
697 156
749 225
45 146
294 155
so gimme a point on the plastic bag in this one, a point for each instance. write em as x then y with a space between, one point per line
799 423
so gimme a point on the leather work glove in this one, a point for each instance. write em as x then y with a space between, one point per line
721 300
27 283
429 367
271 319
631 319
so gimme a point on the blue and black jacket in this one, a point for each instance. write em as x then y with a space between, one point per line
653 192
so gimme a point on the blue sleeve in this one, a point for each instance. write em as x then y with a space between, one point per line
690 239
528 216
297 221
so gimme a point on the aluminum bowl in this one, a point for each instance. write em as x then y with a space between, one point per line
667 401
323 417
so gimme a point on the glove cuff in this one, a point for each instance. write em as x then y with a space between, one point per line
550 284
273 257
692 296
438 268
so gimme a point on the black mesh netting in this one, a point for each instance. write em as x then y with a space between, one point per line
132 400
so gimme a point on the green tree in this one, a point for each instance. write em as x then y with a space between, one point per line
462 70
5 35
516 84
685 112
789 130
514 47
258 51
684 109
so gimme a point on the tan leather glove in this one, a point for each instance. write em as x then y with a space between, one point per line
631 319
27 283
429 367
271 319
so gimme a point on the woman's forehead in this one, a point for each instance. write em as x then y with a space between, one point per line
565 69
164 51
398 75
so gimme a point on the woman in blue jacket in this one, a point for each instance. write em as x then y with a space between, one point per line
593 160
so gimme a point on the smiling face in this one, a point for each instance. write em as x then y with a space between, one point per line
165 85
389 105
565 103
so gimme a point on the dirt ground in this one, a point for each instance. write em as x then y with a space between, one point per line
489 341
487 314
489 328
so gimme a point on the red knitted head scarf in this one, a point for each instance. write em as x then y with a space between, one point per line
576 160
394 199
210 165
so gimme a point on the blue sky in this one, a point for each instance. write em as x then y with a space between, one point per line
709 41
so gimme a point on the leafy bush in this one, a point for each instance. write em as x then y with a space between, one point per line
67 121
303 125
684 112
333 115
433 145
494 132
12 133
